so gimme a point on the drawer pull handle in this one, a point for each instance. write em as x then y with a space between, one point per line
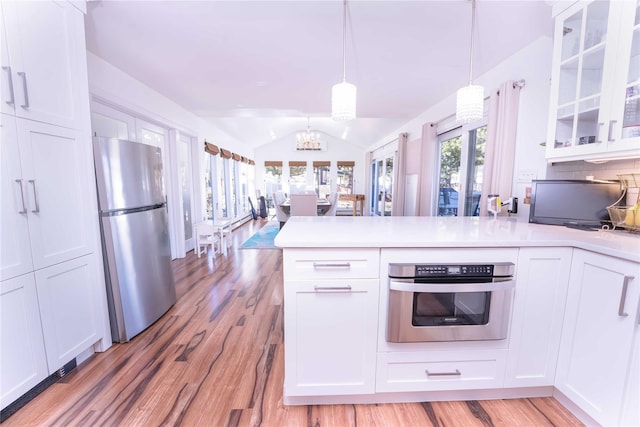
442 374
623 296
610 136
35 196
331 265
318 288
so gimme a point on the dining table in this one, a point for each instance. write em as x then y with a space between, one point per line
322 204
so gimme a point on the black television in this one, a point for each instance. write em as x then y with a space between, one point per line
573 202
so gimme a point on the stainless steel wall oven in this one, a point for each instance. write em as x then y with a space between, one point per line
449 302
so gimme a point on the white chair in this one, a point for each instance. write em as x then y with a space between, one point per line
333 200
304 204
281 215
206 235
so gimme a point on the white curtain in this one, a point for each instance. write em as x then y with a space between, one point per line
501 143
368 158
428 165
399 172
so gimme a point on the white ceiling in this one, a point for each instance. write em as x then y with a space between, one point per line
257 69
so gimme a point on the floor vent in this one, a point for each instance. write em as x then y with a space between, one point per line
39 388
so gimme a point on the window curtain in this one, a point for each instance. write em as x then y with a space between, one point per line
428 163
501 143
399 172
368 158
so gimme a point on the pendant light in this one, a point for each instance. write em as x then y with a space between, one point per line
470 99
343 95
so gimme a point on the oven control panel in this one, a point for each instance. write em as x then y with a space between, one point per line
439 270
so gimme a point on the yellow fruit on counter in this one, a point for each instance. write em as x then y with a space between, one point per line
632 218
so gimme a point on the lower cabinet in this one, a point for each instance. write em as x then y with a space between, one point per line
595 364
48 317
538 311
23 362
330 336
440 370
68 308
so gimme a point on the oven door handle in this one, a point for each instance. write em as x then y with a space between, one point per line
506 285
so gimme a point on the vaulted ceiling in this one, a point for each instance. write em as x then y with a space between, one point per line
257 69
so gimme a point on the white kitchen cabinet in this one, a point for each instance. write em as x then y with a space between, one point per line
330 335
538 310
330 321
595 91
600 325
15 250
46 186
24 363
441 370
40 62
49 238
68 308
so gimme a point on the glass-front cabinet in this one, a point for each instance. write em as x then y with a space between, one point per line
595 93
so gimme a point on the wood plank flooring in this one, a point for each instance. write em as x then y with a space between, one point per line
216 359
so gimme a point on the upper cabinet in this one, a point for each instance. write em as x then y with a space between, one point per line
40 67
595 92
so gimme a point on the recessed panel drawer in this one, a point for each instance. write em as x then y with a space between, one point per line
310 264
440 370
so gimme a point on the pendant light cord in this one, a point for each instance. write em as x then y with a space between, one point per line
473 24
344 42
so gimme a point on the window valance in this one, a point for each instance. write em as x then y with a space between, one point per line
211 148
346 163
273 163
235 156
318 164
226 154
297 163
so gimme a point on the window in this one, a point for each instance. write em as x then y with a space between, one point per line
460 173
344 184
382 185
321 178
297 176
272 177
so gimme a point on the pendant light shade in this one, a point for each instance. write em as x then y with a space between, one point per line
343 101
343 95
469 103
470 99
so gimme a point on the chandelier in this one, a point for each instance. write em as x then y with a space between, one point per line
470 99
343 95
308 140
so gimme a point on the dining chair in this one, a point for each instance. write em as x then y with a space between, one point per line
333 200
304 204
281 215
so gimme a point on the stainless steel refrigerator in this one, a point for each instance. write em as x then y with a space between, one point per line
135 234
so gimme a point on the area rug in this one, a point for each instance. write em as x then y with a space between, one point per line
263 238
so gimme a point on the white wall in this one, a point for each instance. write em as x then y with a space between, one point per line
533 64
284 150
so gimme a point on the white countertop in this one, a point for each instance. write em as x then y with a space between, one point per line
458 232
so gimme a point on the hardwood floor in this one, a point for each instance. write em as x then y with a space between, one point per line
216 359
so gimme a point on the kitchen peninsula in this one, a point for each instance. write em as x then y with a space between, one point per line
572 328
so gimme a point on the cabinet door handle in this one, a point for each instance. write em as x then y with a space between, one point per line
318 288
623 296
24 207
611 123
35 196
599 132
442 374
11 100
331 265
22 74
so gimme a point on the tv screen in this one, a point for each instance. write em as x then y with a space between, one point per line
572 202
